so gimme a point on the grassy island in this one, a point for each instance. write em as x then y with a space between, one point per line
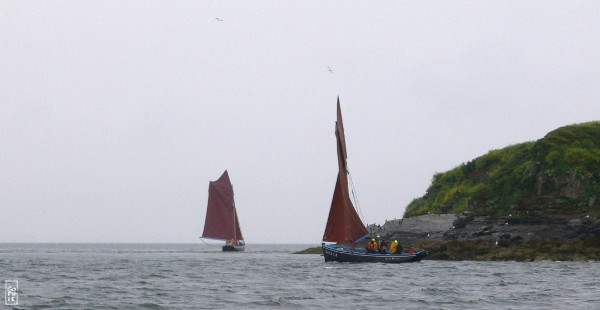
537 200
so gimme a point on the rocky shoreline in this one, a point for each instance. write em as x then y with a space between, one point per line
517 238
530 237
465 227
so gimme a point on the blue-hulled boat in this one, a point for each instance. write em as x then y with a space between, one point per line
345 254
344 226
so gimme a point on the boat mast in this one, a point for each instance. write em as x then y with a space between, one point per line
234 242
344 224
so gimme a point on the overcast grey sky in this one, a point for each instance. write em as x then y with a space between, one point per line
115 115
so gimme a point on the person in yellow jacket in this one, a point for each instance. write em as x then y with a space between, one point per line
394 247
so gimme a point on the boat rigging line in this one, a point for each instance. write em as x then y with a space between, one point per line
355 197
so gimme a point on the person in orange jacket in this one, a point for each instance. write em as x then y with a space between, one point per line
373 244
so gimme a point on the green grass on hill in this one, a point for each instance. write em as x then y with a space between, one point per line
558 174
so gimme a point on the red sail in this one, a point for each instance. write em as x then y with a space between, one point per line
344 224
221 218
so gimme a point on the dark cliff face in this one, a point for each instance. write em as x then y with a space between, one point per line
515 230
554 177
512 238
510 230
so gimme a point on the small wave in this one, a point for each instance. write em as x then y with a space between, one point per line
298 298
149 305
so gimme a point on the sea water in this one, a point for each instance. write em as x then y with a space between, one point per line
269 276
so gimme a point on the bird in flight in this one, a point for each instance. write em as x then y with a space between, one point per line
329 69
218 19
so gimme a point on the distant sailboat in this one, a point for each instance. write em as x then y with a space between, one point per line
221 217
344 226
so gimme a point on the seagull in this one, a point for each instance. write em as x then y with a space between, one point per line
218 19
329 69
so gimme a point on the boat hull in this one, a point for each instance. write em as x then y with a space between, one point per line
234 248
343 254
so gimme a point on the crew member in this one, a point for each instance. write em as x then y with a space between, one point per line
394 247
374 245
383 246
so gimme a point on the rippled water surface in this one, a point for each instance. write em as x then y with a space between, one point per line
197 276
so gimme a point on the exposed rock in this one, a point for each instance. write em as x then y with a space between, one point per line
573 186
416 228
540 184
514 229
535 169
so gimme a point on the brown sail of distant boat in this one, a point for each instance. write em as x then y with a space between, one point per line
221 217
344 226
